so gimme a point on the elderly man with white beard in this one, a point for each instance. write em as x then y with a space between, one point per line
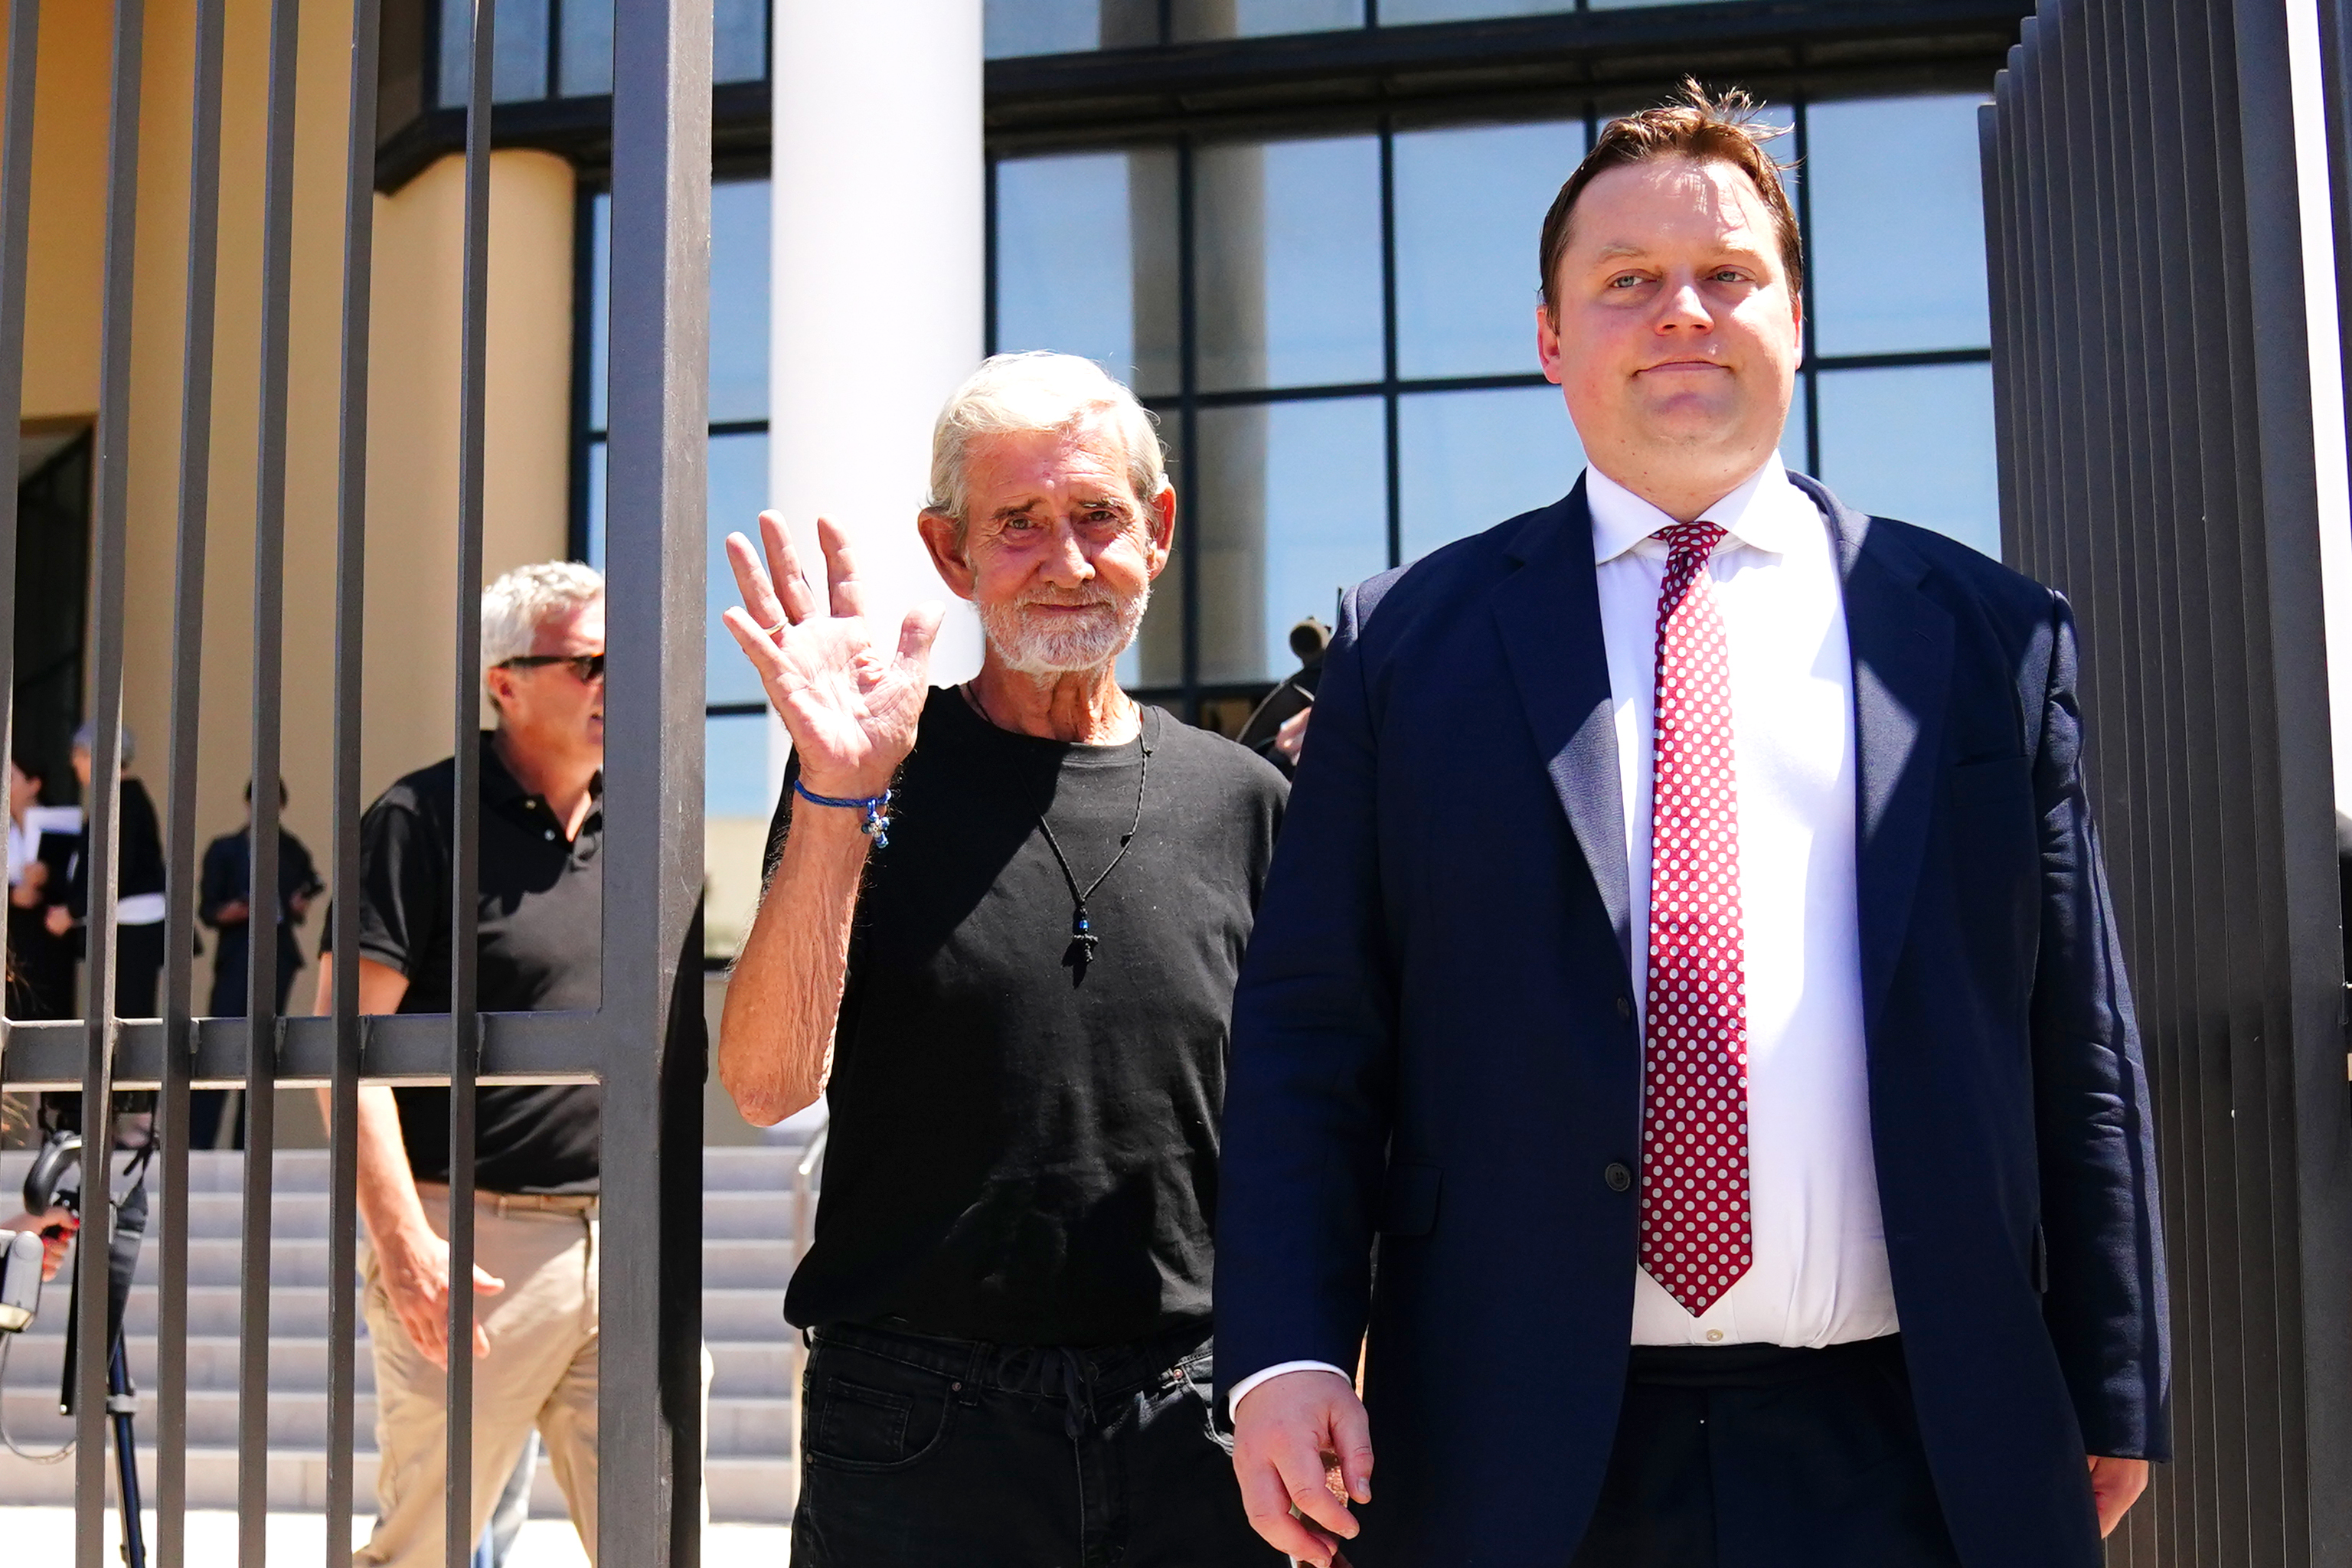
1001 934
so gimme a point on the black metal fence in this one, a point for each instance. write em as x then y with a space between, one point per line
645 1042
2155 404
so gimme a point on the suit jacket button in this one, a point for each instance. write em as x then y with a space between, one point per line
1624 1006
1619 1178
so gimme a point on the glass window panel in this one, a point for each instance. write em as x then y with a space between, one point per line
600 302
1192 19
517 50
1898 249
1288 263
736 485
1467 460
739 302
1396 12
1470 205
739 40
1292 503
1085 250
592 545
1915 443
739 299
587 48
736 806
1155 659
1066 26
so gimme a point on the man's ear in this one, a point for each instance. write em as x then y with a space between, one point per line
948 552
1547 341
1162 511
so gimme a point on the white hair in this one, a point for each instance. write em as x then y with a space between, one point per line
1022 393
516 605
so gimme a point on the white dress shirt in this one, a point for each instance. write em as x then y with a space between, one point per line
1819 1275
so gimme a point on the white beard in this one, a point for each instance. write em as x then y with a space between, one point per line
1091 644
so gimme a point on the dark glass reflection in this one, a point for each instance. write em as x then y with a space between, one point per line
1470 204
1898 226
1914 442
517 50
738 300
1192 19
1291 503
1085 249
1467 460
1288 259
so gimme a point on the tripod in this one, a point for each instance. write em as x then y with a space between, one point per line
42 1189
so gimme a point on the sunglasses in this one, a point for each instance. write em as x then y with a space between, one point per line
588 667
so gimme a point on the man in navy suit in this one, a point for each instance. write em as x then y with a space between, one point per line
1685 1027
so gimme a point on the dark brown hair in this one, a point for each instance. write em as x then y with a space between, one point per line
1712 129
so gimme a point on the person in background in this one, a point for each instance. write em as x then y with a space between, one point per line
537 1147
139 882
1276 728
41 841
224 902
1020 1004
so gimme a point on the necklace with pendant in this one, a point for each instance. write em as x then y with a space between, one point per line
1083 940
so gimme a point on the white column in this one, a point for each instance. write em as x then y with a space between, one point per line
879 220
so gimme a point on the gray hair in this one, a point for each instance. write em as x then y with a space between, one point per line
85 740
516 605
1022 393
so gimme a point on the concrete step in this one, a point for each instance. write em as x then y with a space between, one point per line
741 1490
753 1428
300 1365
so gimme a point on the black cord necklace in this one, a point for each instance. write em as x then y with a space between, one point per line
1083 940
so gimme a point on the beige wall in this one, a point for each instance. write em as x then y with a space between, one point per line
412 490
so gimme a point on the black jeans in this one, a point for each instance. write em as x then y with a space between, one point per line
920 1452
1758 1457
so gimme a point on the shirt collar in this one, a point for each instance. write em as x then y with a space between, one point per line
500 787
1757 512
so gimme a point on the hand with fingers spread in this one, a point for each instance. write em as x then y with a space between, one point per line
1302 1448
850 703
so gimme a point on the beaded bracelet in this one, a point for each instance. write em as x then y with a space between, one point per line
875 808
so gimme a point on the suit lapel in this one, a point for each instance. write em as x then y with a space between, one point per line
1548 612
1900 641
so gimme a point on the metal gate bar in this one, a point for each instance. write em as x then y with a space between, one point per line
645 1041
110 541
171 1117
351 590
2153 404
465 1035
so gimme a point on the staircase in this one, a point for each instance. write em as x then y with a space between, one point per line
747 1216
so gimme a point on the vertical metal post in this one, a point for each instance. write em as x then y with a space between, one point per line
111 552
1393 492
180 834
350 579
16 230
649 1405
465 859
261 900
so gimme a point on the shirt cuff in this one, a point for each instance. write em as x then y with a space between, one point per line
1241 1389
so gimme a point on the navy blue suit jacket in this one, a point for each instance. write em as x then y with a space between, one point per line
1434 1045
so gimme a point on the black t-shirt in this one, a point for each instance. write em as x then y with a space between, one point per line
1024 1150
540 945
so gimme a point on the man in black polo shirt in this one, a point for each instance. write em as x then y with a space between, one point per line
536 1147
1019 1006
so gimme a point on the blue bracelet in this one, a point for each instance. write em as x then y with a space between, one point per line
875 808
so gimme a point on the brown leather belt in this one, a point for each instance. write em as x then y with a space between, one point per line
509 1206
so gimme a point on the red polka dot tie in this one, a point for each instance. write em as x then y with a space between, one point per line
1695 1237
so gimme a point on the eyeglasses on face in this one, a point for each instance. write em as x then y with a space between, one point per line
588 667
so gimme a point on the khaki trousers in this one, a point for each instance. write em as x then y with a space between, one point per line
541 1371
